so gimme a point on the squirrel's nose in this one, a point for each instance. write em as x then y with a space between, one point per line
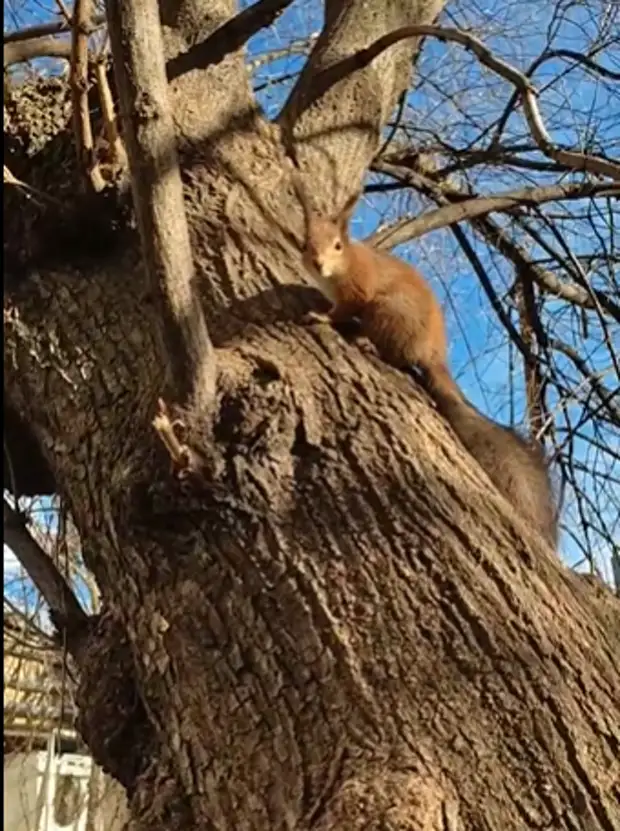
316 262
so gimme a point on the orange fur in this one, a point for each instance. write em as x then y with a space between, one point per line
400 314
395 304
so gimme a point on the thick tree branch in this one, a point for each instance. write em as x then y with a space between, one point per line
229 37
334 136
65 609
137 50
572 159
42 47
409 229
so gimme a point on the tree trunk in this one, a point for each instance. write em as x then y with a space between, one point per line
341 625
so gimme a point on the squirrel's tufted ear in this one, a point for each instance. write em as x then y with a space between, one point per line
343 217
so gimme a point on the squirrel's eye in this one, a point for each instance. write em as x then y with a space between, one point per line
338 245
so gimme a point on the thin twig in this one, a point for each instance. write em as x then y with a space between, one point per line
530 326
491 294
64 10
606 396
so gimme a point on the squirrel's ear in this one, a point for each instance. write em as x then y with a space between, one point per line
344 216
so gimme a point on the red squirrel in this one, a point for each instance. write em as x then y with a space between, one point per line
400 314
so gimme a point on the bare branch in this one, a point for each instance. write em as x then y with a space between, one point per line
138 55
533 335
42 47
491 294
57 28
493 154
409 229
572 159
229 37
606 396
448 195
65 609
117 148
583 296
82 14
579 58
64 10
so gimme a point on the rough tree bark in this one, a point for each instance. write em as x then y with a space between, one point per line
343 626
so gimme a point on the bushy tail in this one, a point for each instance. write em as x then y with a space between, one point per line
517 469
443 388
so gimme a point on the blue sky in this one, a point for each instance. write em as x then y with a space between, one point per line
455 97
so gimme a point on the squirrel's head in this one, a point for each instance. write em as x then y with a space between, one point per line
327 248
327 244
